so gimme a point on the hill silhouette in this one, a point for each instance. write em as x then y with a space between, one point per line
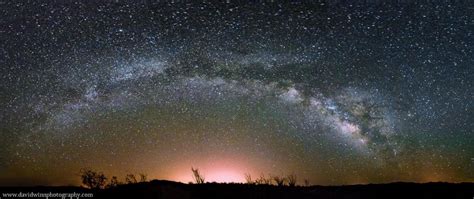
169 189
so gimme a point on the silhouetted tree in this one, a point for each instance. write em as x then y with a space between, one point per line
93 179
130 179
198 177
291 180
280 181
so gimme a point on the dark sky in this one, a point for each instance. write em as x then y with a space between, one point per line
336 93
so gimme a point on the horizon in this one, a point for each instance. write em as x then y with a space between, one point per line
336 93
190 180
186 177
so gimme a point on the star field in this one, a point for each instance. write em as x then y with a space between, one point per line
334 92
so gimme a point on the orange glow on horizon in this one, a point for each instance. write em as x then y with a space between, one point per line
211 175
225 175
222 171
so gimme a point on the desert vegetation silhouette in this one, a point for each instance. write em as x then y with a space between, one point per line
264 186
133 185
93 179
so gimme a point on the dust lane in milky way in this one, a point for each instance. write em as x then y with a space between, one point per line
334 93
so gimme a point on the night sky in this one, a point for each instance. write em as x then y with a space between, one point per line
336 93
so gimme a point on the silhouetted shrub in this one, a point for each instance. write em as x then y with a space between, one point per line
248 179
291 180
306 182
280 181
113 182
130 179
263 180
143 177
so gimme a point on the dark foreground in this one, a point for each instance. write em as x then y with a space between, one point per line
168 189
